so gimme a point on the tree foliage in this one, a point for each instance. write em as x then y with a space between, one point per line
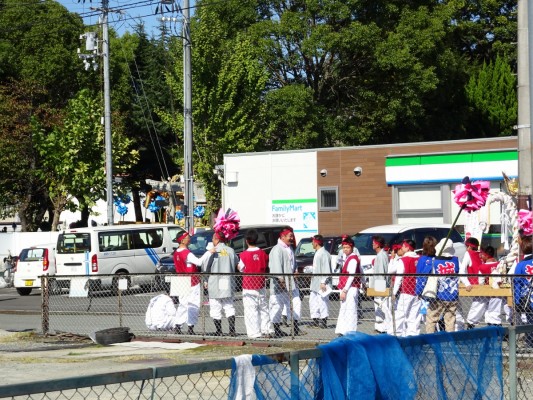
492 95
332 73
73 163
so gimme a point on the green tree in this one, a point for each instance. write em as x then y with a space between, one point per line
72 157
491 92
228 82
38 44
142 94
39 72
21 191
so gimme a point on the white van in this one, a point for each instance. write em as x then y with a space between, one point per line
117 249
32 263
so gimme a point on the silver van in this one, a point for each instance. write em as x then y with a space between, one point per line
98 252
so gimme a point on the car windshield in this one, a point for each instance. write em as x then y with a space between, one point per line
363 242
305 248
199 242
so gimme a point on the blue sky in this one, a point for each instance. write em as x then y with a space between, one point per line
134 12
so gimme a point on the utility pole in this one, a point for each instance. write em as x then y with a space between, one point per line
525 72
187 121
92 45
107 114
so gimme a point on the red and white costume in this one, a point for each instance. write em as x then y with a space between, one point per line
469 265
187 263
490 307
347 320
256 314
407 315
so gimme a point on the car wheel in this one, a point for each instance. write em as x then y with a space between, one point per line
160 284
24 291
53 287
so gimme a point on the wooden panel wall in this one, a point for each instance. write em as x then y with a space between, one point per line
367 200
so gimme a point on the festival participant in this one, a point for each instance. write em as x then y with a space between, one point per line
381 304
187 263
490 307
406 313
254 261
283 288
395 257
222 261
349 286
469 265
320 285
446 266
523 285
161 314
424 265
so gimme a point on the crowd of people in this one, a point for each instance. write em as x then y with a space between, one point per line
408 274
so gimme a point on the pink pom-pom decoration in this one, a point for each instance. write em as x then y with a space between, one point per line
525 222
471 196
227 224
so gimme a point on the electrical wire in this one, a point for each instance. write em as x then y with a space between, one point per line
156 143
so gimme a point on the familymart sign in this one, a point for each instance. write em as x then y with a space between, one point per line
440 168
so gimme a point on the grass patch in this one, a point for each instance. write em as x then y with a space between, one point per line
18 336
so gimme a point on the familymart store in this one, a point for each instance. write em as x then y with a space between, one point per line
340 190
422 187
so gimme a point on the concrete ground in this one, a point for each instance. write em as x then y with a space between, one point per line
29 357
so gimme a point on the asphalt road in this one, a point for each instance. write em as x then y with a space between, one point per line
84 315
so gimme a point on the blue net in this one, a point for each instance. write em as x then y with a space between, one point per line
458 365
264 378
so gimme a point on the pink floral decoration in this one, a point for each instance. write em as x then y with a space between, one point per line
227 223
525 222
471 196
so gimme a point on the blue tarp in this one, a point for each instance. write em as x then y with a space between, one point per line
360 366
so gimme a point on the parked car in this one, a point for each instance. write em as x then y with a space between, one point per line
394 234
32 263
305 253
267 238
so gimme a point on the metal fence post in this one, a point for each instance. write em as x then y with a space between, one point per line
45 305
513 378
294 361
120 308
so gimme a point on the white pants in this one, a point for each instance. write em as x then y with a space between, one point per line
318 305
407 315
459 319
490 307
189 307
383 314
256 317
280 300
217 305
347 320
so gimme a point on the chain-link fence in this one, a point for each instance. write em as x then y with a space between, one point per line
309 308
468 365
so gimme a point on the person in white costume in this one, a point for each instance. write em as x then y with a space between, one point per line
187 263
349 286
161 314
406 314
379 283
320 285
254 261
488 307
283 288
